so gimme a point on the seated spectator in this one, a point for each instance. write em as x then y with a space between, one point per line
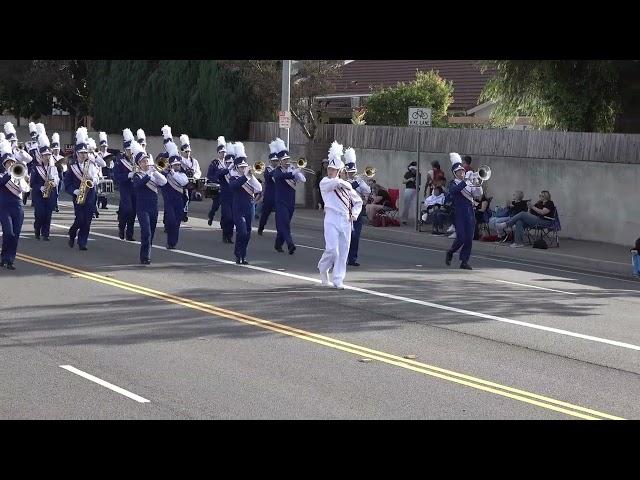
466 163
435 207
380 200
635 259
517 205
435 178
541 214
481 210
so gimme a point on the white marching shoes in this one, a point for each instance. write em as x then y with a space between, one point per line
324 278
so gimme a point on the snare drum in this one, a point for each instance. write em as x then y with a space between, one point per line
211 190
105 186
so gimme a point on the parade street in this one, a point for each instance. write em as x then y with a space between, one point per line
525 335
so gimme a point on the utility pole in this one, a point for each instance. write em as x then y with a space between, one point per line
286 96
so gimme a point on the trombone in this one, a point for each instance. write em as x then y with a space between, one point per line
302 164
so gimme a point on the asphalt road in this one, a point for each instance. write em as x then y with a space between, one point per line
195 336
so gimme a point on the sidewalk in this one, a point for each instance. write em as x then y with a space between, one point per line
579 254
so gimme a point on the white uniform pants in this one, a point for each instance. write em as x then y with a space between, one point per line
337 238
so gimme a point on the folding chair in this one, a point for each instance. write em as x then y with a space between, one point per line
392 211
549 233
486 215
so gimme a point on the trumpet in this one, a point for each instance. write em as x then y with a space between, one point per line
162 164
370 172
302 164
259 167
482 175
484 172
18 171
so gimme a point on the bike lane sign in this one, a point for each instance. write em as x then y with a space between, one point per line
419 117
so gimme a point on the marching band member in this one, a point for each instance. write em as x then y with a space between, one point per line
146 183
172 193
44 184
269 199
31 147
221 176
362 189
244 187
142 140
76 175
100 163
342 206
96 159
464 218
123 174
192 168
216 163
19 153
61 166
285 182
11 212
104 154
167 138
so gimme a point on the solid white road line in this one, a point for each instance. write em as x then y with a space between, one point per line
108 385
534 286
396 297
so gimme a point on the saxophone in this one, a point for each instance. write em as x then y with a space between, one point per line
48 184
84 184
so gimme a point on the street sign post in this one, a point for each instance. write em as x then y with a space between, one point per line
419 117
284 119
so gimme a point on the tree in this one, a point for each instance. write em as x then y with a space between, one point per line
263 79
576 95
313 78
64 80
389 106
19 97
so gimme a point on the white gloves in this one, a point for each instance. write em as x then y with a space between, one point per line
130 175
42 189
76 192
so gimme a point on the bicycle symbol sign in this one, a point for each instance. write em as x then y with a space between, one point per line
419 117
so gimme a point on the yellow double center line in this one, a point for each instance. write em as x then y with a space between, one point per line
459 378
